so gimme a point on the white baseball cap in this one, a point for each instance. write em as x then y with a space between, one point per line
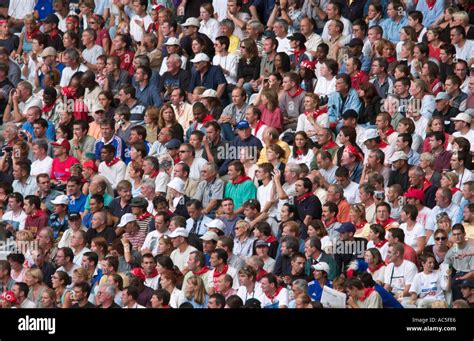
462 116
399 155
172 41
209 235
321 266
209 93
369 135
200 57
126 218
192 22
179 232
177 184
60 200
216 224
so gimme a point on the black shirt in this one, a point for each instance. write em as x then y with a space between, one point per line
169 81
248 70
87 305
11 43
448 124
108 233
116 209
396 177
310 206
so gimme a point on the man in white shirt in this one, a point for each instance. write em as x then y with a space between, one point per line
400 273
351 189
280 27
111 167
333 11
464 47
180 255
273 296
140 21
43 162
72 60
91 50
24 183
462 125
150 245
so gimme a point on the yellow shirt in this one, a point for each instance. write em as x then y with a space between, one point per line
469 231
284 145
234 44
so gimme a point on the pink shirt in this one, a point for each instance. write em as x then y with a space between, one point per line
273 118
62 170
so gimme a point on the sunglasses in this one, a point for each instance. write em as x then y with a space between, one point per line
440 238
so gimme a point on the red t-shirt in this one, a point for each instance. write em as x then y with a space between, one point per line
273 118
62 170
126 62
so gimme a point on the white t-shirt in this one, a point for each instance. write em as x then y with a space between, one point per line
351 193
245 295
19 8
284 45
67 74
429 286
306 159
17 221
279 300
324 86
151 241
264 193
412 236
229 63
232 272
181 259
466 52
423 215
90 55
135 30
347 31
399 277
469 136
41 166
383 249
195 169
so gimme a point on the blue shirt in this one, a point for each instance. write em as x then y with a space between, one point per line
77 205
50 132
430 16
264 8
337 105
391 28
44 7
116 141
388 301
212 78
315 291
149 96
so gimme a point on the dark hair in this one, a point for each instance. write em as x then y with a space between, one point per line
234 302
162 295
220 299
221 254
398 233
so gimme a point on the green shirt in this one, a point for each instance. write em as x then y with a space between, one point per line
240 193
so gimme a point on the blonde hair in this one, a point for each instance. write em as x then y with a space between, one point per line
461 15
36 274
199 292
82 274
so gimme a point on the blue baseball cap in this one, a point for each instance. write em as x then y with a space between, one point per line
346 227
242 125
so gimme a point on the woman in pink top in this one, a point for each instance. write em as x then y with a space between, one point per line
271 113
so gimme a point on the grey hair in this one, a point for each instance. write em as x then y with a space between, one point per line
338 189
143 60
72 54
283 23
176 58
109 289
418 171
41 144
294 168
150 183
229 23
102 179
257 261
211 166
428 157
27 85
301 284
256 25
11 126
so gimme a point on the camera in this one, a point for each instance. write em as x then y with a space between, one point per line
379 195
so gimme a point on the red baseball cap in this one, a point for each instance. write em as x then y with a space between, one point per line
415 193
62 143
90 164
